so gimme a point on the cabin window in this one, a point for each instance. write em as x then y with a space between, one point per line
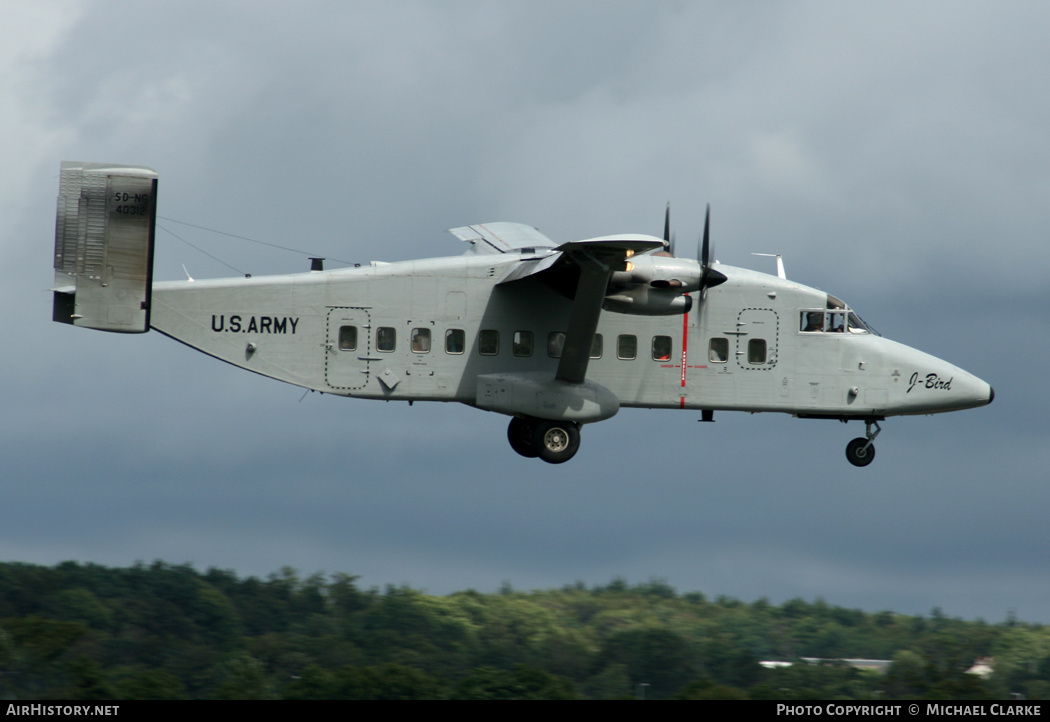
522 344
661 348
455 341
596 346
386 338
756 351
627 346
421 340
347 338
718 352
488 342
555 344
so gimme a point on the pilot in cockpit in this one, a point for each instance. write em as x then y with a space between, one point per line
813 321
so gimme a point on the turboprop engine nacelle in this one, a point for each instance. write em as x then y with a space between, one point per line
653 285
648 301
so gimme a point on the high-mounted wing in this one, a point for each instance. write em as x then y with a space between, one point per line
501 237
597 258
595 261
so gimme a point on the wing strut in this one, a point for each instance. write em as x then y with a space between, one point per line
583 323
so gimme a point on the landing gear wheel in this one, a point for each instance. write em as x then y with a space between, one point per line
857 454
556 441
521 434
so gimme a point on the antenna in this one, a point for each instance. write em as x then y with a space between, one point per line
780 263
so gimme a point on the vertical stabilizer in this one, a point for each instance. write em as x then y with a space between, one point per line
104 233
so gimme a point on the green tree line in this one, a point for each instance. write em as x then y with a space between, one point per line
162 631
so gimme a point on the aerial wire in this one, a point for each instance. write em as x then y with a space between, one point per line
243 238
198 248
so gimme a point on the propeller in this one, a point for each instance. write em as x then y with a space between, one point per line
709 277
668 236
659 284
705 242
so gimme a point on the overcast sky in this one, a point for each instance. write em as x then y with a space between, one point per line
896 154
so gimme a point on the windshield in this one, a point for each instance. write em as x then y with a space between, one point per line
857 325
836 317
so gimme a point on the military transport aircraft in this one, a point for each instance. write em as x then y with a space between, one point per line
554 336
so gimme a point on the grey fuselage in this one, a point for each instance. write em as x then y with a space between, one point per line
443 330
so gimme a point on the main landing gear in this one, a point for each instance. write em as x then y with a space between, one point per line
861 452
553 441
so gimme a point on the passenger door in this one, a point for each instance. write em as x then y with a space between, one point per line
348 348
759 329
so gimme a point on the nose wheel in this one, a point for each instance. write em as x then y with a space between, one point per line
861 452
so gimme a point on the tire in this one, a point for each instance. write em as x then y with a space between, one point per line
556 441
856 453
520 434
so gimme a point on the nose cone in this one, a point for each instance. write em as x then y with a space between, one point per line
980 393
930 385
948 388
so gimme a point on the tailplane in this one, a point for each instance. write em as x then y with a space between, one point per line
104 231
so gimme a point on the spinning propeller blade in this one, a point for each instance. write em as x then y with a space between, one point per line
709 277
668 236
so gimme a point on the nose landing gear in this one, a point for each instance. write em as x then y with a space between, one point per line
861 452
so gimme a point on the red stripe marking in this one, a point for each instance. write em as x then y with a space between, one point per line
685 355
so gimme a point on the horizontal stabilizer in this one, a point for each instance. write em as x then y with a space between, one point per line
104 232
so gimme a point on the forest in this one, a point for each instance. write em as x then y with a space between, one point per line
163 631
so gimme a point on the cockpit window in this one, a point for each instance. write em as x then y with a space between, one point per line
812 321
857 325
836 322
837 318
